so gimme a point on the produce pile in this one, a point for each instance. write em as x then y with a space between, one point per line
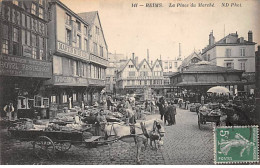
206 110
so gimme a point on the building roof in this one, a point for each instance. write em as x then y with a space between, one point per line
233 40
222 83
142 62
122 67
89 17
187 60
206 68
160 63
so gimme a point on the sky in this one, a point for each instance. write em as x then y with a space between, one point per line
130 29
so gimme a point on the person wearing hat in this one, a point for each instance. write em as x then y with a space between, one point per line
9 109
101 122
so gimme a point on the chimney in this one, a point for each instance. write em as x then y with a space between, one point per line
179 58
250 36
133 56
136 60
148 55
241 40
211 38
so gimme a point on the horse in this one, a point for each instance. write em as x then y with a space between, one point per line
133 133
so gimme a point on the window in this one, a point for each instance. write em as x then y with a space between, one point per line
68 36
68 19
208 57
23 37
15 42
131 73
144 66
34 44
34 25
74 97
229 65
78 25
53 99
85 44
41 13
34 53
28 22
33 9
131 66
228 52
23 20
242 52
175 64
5 47
42 28
6 13
170 65
101 51
242 65
28 39
15 35
157 65
41 2
57 65
78 41
41 49
95 48
85 30
128 82
64 98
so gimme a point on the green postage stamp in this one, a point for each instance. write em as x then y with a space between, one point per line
238 144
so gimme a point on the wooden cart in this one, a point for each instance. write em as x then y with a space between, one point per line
203 118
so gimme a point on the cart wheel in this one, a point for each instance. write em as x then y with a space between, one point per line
62 146
199 122
44 147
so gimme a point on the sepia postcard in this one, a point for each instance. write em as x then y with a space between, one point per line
129 82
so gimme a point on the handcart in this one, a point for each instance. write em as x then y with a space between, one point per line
204 117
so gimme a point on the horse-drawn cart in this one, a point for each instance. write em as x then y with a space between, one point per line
46 143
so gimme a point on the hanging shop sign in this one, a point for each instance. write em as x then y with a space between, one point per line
26 67
72 51
68 80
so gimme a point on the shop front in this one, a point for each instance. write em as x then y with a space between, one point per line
22 85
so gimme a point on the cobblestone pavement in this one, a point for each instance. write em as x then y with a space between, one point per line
184 143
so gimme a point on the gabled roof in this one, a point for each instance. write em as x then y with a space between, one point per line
142 62
186 61
122 67
160 63
89 17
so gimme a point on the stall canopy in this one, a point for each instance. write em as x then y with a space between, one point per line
218 89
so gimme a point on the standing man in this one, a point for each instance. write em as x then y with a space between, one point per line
9 109
171 110
160 104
